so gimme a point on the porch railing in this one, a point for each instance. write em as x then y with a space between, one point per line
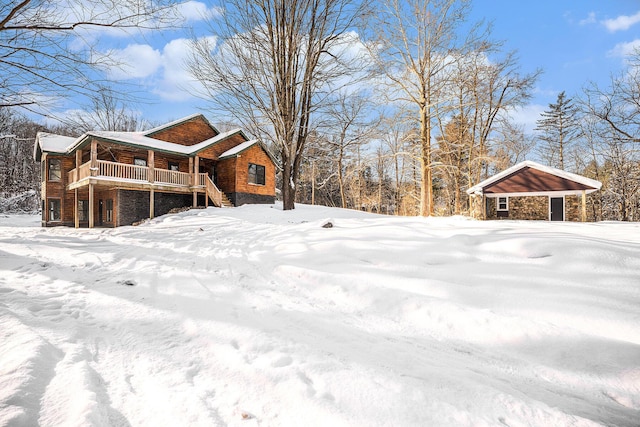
138 173
122 170
171 177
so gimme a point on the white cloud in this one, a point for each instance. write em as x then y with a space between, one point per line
176 82
197 11
590 19
527 115
625 49
134 61
622 22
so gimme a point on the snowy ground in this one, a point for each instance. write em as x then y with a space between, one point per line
257 317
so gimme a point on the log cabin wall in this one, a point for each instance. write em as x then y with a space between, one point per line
187 133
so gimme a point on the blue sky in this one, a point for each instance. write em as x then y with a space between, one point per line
573 42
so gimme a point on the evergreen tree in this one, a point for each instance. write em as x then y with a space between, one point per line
558 128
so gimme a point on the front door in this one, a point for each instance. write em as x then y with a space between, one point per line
557 208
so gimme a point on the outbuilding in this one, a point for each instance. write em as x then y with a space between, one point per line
532 191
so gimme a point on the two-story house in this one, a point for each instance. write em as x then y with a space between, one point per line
109 179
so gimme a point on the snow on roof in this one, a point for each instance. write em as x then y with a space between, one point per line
477 189
51 142
238 149
47 142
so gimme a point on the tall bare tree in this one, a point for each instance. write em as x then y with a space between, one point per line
274 65
39 62
414 47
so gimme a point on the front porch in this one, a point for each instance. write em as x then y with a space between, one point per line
95 174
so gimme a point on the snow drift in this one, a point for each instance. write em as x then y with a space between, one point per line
256 316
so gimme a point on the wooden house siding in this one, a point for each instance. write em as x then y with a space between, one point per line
255 155
528 180
186 133
226 175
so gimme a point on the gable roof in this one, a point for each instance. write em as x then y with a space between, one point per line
50 143
58 144
235 151
532 177
179 122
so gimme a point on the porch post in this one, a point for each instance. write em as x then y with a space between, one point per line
484 207
584 206
75 206
151 163
90 205
151 204
78 163
94 157
196 179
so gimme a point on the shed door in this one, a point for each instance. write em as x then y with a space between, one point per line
557 208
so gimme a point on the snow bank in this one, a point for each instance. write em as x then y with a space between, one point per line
257 316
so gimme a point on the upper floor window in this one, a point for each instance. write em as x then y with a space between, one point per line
174 166
55 170
503 204
139 161
256 174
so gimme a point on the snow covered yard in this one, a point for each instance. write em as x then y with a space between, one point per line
254 316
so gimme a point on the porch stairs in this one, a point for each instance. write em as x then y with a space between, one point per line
218 198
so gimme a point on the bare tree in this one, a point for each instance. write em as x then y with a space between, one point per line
274 64
108 112
350 125
613 116
414 47
38 61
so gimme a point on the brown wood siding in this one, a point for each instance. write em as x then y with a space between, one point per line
226 175
214 151
255 155
57 189
529 180
187 133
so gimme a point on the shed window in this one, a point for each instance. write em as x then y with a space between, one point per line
55 170
54 209
503 204
256 174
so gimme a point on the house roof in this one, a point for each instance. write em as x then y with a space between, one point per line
51 143
529 177
47 142
178 122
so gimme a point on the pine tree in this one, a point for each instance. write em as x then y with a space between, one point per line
558 128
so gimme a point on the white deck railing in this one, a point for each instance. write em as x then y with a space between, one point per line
137 173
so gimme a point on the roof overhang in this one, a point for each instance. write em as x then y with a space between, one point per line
590 185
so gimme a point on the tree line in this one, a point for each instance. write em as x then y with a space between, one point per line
392 106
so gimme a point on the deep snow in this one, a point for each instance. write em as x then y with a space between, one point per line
255 316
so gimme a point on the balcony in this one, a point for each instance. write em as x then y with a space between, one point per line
134 176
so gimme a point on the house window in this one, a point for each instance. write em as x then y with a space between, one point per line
109 210
54 210
139 161
83 210
174 166
503 204
55 170
256 174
